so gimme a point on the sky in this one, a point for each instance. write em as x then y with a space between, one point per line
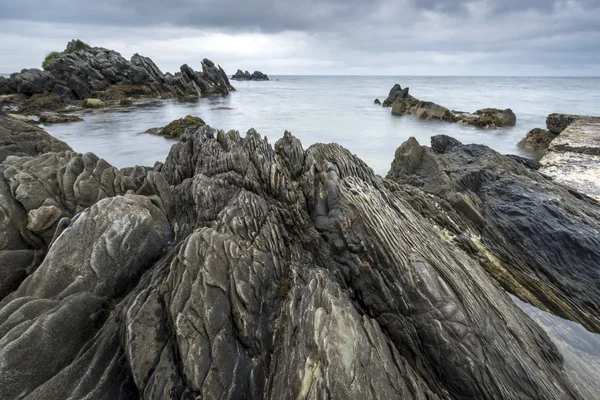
318 37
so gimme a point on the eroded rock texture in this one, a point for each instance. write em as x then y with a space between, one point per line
239 270
538 239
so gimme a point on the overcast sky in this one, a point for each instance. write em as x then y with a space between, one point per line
362 37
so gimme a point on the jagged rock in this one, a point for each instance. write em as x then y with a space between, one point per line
537 140
178 127
246 76
396 93
534 236
243 271
82 71
58 118
489 118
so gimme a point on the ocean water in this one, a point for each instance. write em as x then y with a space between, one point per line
338 109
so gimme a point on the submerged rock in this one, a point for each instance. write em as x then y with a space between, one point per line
58 118
245 271
488 118
246 76
178 127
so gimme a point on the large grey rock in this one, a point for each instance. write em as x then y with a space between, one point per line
537 238
537 140
247 76
292 274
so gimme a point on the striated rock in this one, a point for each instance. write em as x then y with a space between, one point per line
537 140
488 118
178 127
246 76
19 138
58 118
246 272
82 71
535 237
396 93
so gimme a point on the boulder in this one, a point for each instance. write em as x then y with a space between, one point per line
376 101
556 123
422 109
178 127
537 140
93 103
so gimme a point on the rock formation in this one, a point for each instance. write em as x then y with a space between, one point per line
179 127
535 237
246 76
238 270
537 140
82 72
403 103
573 156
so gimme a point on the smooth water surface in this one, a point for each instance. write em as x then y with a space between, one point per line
338 109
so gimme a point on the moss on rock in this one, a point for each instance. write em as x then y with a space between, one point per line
92 103
178 127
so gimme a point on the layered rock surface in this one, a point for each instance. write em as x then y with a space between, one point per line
247 76
537 238
239 270
81 72
403 103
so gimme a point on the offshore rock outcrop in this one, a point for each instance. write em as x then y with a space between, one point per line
403 103
247 76
178 127
81 72
239 270
538 239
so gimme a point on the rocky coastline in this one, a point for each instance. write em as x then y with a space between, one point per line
238 269
83 76
247 76
402 103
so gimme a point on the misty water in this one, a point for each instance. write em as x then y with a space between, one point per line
337 109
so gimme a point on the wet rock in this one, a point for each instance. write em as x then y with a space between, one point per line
178 127
58 118
246 76
556 123
376 101
422 109
537 140
489 118
534 236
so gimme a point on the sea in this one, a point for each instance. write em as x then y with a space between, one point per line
340 109
337 109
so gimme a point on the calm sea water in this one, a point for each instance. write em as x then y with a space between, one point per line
338 109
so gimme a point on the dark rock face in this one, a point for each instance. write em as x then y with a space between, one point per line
58 118
377 101
537 140
82 71
488 118
534 236
178 127
246 76
239 270
396 93
556 123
